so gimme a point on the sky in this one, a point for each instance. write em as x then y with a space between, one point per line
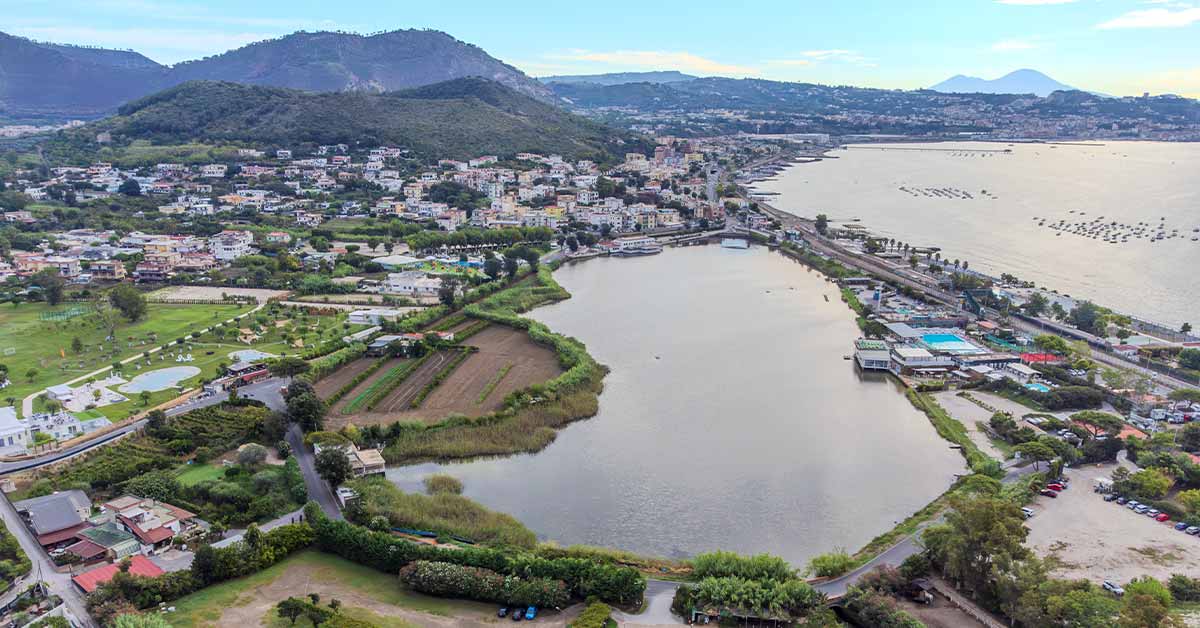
1118 47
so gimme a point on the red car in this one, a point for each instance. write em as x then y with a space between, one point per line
1048 493
1055 486
1162 516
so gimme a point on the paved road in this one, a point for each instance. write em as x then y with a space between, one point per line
266 391
659 594
59 583
318 489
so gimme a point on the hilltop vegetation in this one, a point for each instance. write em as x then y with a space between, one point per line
455 119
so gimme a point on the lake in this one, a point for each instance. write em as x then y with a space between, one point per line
729 420
1127 182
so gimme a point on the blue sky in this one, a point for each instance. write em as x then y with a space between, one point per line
1112 46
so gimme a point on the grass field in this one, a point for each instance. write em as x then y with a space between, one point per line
192 474
27 342
250 601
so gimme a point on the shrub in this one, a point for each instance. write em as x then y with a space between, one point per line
760 567
831 564
485 585
442 483
1184 589
596 615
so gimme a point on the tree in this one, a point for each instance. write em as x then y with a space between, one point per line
129 301
1190 359
1095 422
76 345
333 466
52 285
1145 611
251 454
130 187
291 609
156 420
1189 437
1036 451
144 396
157 485
448 292
1185 394
822 224
1085 316
1185 328
492 267
981 539
532 258
31 375
1036 304
1052 344
308 410
288 366
1150 483
510 266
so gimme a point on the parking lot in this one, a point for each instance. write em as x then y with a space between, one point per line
1097 540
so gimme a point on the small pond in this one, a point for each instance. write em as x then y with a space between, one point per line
161 379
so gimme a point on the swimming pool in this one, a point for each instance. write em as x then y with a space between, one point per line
1038 387
949 343
161 379
250 355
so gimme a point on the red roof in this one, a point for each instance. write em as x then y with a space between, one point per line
66 534
138 565
150 537
1036 358
86 549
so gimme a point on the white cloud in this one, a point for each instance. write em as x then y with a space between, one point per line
656 60
1029 3
1013 45
1154 18
790 62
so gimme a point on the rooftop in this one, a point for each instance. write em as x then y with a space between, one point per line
138 565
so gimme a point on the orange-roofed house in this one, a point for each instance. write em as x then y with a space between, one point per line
138 565
154 523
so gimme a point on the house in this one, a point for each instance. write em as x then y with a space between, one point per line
213 171
1020 372
154 523
230 245
138 566
379 345
107 541
56 518
412 283
364 462
374 316
14 435
278 237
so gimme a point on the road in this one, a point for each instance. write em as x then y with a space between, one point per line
266 391
59 583
318 489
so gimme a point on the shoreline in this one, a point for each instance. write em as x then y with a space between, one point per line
757 197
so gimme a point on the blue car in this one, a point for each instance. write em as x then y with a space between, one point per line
531 612
1181 526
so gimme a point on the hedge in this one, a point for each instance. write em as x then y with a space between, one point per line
474 583
596 615
325 365
384 552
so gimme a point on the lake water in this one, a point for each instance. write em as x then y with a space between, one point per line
160 379
729 420
1127 182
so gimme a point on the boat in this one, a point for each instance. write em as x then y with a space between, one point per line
734 243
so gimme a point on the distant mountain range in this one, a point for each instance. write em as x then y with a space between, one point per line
54 81
620 78
1018 82
460 118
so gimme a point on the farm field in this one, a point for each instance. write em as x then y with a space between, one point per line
507 360
27 342
366 594
331 383
358 395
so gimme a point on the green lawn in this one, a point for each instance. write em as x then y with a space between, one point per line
27 342
321 573
192 474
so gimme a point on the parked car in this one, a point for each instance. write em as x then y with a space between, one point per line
1110 498
1162 516
1153 512
1181 526
1028 512
1111 586
1192 530
1132 504
1141 509
1121 501
1055 487
1048 493
531 613
517 615
503 612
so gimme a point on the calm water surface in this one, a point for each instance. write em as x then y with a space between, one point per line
729 420
1129 182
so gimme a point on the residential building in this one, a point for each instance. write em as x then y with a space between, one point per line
230 245
14 435
56 519
412 283
138 566
154 523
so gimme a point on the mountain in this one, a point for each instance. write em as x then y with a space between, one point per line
619 78
326 62
46 82
460 118
54 81
1018 82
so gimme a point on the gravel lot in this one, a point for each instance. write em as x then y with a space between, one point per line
969 414
215 292
1098 540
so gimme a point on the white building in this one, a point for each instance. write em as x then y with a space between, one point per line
230 245
412 283
14 435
